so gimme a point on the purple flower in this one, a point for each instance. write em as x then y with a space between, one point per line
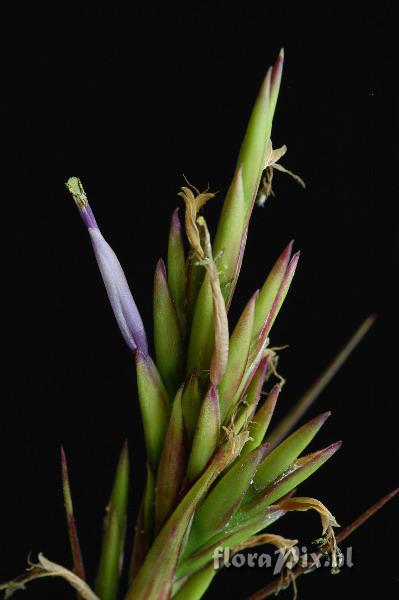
119 294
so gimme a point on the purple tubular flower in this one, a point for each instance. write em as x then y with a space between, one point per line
119 294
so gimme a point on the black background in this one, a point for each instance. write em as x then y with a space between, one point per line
130 100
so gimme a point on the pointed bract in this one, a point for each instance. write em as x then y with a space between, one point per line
167 333
145 526
238 355
206 434
195 274
294 475
234 534
253 146
256 356
275 80
191 404
172 465
270 289
247 410
281 295
155 579
277 461
196 585
220 322
220 504
154 405
177 266
202 332
261 420
230 232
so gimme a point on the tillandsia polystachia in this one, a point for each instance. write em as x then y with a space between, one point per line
216 476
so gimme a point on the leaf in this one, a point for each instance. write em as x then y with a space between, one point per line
206 435
238 355
111 560
172 465
293 416
78 566
155 579
277 461
177 267
167 333
154 406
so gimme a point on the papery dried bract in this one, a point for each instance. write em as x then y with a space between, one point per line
193 205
